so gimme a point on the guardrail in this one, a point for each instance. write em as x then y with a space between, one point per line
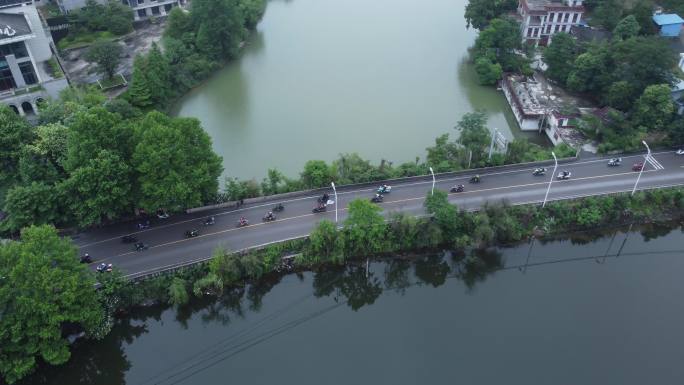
354 186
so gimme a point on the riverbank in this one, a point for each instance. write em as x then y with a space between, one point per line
446 228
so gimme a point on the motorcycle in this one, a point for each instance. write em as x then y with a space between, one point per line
279 207
242 223
680 151
128 239
564 175
209 221
475 179
161 214
104 268
377 198
143 225
191 233
141 246
320 208
384 189
539 171
268 218
614 162
86 258
457 189
324 199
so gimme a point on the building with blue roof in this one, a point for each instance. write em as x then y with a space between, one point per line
669 25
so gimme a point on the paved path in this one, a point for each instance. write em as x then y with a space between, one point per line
517 185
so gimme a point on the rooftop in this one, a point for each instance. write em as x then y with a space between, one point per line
666 19
543 5
13 25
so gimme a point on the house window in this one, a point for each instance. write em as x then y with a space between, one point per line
142 13
6 79
17 49
168 7
28 73
140 2
155 11
575 17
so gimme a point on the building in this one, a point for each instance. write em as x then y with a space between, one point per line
142 9
562 128
669 25
522 97
29 73
540 19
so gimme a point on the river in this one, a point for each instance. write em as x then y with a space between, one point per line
567 311
382 78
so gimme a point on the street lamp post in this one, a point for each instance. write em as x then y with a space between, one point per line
648 155
433 181
555 160
335 192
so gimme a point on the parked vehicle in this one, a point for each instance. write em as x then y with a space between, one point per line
564 175
104 268
457 189
638 166
539 171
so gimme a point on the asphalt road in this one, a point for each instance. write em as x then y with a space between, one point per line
168 245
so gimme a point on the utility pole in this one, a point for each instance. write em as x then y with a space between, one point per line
433 181
555 160
335 192
646 158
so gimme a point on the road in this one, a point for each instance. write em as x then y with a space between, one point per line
517 185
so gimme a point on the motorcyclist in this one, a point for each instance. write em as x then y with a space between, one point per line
210 221
270 215
86 258
325 197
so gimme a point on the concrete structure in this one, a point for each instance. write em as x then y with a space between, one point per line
25 54
540 19
521 94
561 128
669 25
142 9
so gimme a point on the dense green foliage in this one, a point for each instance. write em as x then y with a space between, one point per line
195 44
609 13
42 288
112 16
479 13
86 164
497 50
560 56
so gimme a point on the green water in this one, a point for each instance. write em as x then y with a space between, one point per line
320 77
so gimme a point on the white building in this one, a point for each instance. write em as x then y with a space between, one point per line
26 68
522 97
142 9
540 19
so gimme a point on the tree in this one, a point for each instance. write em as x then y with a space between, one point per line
151 83
643 61
251 11
219 28
446 216
316 174
559 56
106 55
590 71
627 28
474 136
48 289
15 132
444 155
176 165
655 109
364 229
139 92
478 13
36 203
620 95
100 189
178 292
607 13
488 73
119 17
499 41
324 243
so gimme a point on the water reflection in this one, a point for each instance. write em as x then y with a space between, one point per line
287 303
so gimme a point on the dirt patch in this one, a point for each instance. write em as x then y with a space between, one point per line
136 42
